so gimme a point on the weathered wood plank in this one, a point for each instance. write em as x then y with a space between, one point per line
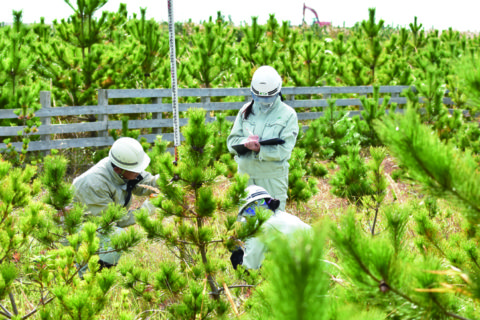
139 124
166 93
218 92
64 143
57 128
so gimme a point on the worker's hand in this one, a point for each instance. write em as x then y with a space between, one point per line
237 257
252 145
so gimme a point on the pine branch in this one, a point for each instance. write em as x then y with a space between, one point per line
12 301
5 312
450 314
31 313
445 188
235 286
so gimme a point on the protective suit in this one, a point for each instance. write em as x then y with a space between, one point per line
251 255
279 223
269 167
99 186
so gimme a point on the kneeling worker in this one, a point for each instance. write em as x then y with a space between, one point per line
113 180
252 255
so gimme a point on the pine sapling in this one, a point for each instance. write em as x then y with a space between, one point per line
301 187
330 136
373 110
351 181
379 182
188 196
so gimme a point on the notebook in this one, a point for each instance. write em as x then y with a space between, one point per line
241 149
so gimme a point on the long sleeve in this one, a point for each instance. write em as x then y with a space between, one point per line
237 136
149 180
96 197
254 253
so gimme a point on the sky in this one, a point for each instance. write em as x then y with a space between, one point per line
461 15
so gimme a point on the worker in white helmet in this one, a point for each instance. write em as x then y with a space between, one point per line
113 180
252 254
266 117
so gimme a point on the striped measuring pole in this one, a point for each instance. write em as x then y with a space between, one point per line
173 72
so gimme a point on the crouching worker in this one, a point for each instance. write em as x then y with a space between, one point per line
113 180
252 254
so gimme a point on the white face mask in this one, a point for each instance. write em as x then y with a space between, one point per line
264 103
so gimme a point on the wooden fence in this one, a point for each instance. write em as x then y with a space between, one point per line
103 109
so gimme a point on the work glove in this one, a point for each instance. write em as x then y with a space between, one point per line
237 257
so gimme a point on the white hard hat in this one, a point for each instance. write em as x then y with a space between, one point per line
266 82
127 153
256 193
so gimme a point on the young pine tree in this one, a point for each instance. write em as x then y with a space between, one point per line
188 207
211 55
301 187
329 136
74 59
34 251
18 90
398 279
351 181
314 66
370 54
372 110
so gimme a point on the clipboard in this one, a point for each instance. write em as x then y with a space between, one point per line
241 149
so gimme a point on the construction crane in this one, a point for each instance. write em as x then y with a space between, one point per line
320 23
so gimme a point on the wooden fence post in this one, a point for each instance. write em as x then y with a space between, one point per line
46 102
208 117
157 115
102 104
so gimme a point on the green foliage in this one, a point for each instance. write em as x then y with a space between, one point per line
59 192
469 79
386 275
211 54
329 136
371 54
295 272
29 236
314 65
442 169
378 267
186 193
221 127
17 90
351 181
301 187
445 172
372 111
376 176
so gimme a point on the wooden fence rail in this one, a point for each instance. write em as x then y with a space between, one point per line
157 108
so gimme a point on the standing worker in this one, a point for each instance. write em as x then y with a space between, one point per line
113 180
266 117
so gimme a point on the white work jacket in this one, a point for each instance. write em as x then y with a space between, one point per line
279 223
280 121
100 185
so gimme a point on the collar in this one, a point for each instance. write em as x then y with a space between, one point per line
115 176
